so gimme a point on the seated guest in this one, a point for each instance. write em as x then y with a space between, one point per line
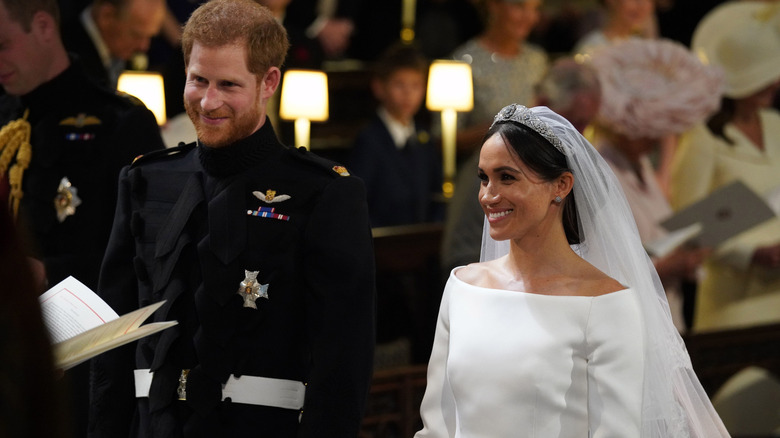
392 154
109 33
61 183
741 142
643 104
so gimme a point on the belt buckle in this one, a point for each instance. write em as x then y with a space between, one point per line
182 389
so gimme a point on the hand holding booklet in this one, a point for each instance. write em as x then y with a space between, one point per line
81 325
726 212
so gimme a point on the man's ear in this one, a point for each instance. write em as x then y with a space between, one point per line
270 82
378 88
44 26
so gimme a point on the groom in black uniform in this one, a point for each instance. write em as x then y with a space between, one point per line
262 252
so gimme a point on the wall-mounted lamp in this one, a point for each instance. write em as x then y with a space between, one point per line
408 12
304 98
148 87
449 90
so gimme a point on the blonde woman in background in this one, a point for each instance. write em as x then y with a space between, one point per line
505 67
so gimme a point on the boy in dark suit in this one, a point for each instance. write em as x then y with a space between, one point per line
392 154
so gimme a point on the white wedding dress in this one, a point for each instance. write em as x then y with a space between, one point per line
528 365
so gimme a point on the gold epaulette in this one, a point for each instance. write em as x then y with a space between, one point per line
15 144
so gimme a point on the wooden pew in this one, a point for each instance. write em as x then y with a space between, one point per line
407 262
394 403
716 356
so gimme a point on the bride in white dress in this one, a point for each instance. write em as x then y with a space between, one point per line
563 330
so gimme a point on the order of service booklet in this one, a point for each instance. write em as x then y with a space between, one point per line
726 212
81 325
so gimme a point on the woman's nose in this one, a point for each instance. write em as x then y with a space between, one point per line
488 195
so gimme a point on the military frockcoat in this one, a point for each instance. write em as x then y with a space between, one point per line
192 224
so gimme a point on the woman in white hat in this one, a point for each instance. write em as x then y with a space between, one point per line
741 285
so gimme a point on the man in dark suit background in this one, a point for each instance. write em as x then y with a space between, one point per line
63 187
108 34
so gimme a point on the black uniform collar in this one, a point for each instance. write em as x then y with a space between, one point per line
241 155
40 100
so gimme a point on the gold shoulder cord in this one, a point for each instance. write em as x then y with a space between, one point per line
15 142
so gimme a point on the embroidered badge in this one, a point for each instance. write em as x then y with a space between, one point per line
341 170
66 200
270 196
268 212
80 121
251 289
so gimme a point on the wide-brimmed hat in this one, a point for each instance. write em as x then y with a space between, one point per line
742 38
654 87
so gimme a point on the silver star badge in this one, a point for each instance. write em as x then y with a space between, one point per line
66 200
251 290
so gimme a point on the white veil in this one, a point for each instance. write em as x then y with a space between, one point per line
674 403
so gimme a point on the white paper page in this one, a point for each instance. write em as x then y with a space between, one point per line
70 308
67 356
663 246
129 322
773 199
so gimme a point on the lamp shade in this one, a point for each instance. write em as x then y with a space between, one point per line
449 86
304 95
148 87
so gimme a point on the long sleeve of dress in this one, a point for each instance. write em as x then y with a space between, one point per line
438 406
615 367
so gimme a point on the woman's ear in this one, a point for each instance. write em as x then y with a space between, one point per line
565 184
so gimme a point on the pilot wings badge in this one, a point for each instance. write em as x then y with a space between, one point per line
270 196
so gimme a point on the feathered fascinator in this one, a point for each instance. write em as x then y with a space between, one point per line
654 87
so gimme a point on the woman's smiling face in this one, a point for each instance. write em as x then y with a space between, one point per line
516 201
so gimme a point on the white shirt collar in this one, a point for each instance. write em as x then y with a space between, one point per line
398 131
94 34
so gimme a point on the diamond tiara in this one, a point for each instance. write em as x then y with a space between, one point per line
524 116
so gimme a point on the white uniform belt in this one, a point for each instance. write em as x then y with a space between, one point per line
252 390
